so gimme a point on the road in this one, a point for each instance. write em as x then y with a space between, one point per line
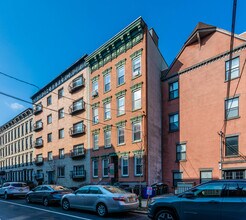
18 209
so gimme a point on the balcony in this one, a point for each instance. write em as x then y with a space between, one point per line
38 143
77 107
79 175
77 153
39 176
37 109
38 126
39 161
77 130
76 84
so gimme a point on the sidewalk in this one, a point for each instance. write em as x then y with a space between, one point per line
143 209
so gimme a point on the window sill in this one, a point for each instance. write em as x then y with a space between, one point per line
95 149
121 144
134 110
107 119
120 115
106 177
140 175
107 91
121 84
95 177
137 76
232 156
178 161
228 119
173 131
134 142
94 97
173 99
227 80
126 176
107 147
61 177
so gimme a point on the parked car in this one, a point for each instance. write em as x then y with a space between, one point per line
102 199
218 200
47 194
11 189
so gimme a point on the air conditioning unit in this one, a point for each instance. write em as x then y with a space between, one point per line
94 93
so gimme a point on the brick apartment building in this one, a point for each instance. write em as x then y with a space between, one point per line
16 150
204 109
61 149
125 98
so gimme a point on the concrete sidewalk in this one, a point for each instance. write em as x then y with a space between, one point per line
143 209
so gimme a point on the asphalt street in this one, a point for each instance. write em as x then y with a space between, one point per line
18 209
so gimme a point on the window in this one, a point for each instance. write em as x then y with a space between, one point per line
136 67
50 156
95 88
49 119
61 153
61 113
61 133
95 115
78 149
177 177
234 174
105 163
120 75
107 80
77 82
60 93
138 165
49 137
181 152
121 135
173 90
136 129
231 146
77 128
49 100
77 105
136 100
78 170
95 168
232 69
232 108
61 171
107 110
124 166
39 158
236 190
121 105
205 176
95 141
174 122
107 139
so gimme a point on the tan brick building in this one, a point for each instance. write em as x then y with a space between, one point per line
60 126
204 109
16 150
125 98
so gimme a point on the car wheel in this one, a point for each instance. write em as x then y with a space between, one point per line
165 215
45 202
6 195
102 210
65 204
28 199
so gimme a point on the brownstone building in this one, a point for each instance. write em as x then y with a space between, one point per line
125 98
60 125
204 109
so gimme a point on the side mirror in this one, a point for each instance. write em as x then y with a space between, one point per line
189 195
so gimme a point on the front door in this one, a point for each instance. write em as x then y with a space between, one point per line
51 177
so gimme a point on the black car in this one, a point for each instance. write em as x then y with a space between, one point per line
47 194
214 200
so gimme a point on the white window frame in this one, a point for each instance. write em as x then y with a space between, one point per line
181 151
95 139
134 131
118 134
235 71
107 81
107 110
122 67
105 160
121 108
95 86
136 102
93 168
136 157
95 115
231 104
124 158
59 173
136 71
105 138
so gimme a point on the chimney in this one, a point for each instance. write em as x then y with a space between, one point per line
154 36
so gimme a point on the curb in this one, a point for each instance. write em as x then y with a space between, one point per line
140 212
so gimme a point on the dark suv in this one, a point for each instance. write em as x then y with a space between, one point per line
214 200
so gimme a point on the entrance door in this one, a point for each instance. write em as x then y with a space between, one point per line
114 160
51 177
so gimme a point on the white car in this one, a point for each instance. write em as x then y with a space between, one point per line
10 189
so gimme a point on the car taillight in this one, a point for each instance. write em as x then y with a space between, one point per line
121 198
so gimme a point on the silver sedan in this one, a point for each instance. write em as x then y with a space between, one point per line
102 199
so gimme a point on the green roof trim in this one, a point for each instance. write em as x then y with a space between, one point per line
121 123
120 43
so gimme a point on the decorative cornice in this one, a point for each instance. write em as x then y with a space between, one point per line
120 63
96 131
62 78
137 53
138 152
121 123
95 105
137 86
95 78
203 63
121 93
107 128
107 71
136 119
107 100
120 43
124 153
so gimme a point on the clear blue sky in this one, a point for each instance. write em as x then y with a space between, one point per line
41 38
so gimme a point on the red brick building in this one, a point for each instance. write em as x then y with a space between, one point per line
204 109
125 98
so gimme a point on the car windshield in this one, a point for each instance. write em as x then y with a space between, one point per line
59 188
19 184
114 189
